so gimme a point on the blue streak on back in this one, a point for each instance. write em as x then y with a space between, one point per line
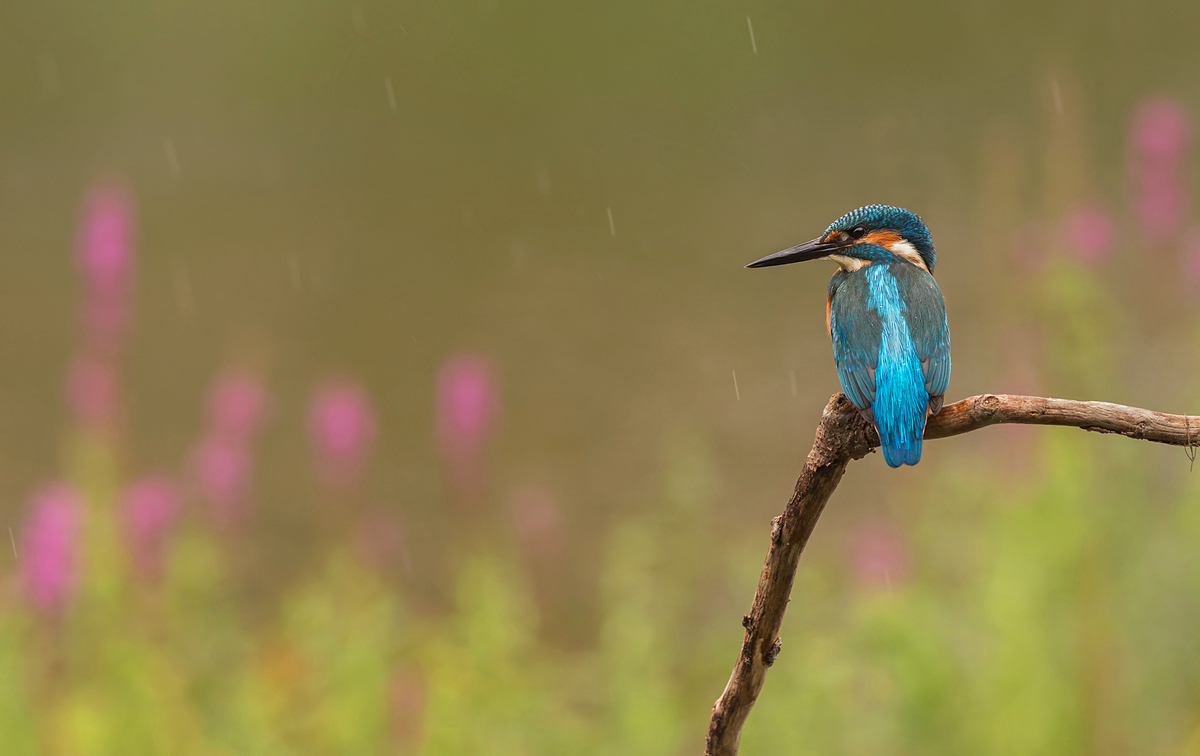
901 399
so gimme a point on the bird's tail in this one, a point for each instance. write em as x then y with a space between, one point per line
900 410
897 452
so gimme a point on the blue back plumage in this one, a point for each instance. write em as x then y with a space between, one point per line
900 397
891 345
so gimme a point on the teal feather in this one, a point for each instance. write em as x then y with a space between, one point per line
891 345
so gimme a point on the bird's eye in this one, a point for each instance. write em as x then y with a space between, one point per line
858 232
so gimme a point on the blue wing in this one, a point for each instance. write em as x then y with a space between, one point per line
926 317
856 331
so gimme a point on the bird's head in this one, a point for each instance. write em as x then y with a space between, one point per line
875 233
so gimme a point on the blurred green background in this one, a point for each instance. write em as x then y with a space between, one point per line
560 197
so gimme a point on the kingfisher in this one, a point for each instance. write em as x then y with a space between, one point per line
887 320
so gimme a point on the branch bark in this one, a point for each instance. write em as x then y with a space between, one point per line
842 436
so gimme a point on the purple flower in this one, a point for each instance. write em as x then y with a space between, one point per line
238 406
223 470
49 554
1161 137
466 406
107 238
92 391
879 556
105 257
150 508
1162 129
1089 233
341 425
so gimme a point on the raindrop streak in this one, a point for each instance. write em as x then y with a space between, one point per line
172 158
1058 104
611 228
391 93
13 539
294 267
753 44
736 393
183 292
793 383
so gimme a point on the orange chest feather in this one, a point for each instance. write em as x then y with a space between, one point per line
829 313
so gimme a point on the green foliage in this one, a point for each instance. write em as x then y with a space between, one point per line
16 720
490 692
1050 615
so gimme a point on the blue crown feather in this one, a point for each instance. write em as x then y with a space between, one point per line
904 222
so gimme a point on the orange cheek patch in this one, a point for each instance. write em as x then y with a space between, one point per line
883 239
836 237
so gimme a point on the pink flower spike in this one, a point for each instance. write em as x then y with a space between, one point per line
150 509
1089 233
879 556
223 470
466 406
238 405
92 391
341 425
1161 136
49 553
107 238
1162 129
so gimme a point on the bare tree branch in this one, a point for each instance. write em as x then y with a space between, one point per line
843 436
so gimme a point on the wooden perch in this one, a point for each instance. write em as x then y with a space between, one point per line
843 436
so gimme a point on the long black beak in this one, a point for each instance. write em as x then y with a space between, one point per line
813 250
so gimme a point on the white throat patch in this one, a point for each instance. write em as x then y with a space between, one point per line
849 264
907 251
